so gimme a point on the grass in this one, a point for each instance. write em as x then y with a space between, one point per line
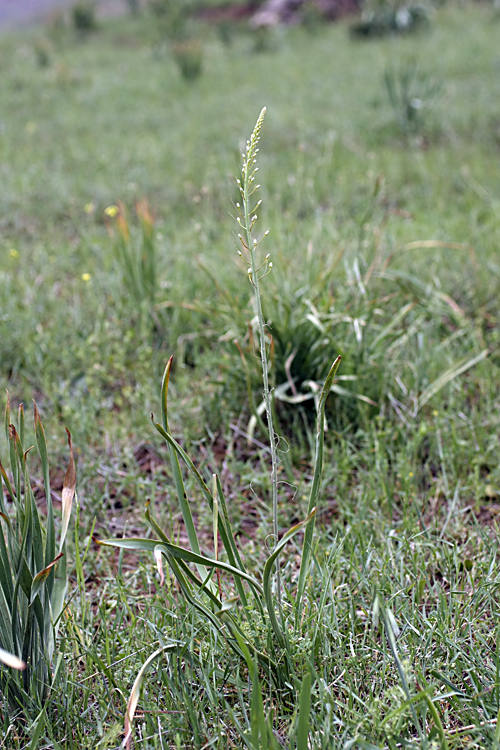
385 250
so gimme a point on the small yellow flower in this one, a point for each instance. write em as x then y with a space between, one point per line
89 208
410 474
435 412
86 276
14 253
111 211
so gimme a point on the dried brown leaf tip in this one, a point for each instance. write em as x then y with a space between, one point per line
38 421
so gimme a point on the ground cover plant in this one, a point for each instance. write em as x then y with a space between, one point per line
118 244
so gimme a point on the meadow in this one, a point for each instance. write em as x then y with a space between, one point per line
379 181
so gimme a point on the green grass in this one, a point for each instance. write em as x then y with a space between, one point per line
385 250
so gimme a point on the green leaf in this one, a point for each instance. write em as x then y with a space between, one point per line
7 418
176 469
149 545
39 726
50 546
224 533
268 568
232 551
316 484
443 743
450 374
304 712
7 483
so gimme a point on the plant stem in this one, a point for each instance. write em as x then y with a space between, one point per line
246 221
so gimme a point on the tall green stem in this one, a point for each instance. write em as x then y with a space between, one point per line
246 219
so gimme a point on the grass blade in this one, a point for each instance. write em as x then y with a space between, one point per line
136 691
304 712
450 374
391 631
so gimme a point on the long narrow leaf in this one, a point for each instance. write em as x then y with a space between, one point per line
7 483
50 544
258 725
5 564
257 716
21 423
149 545
238 561
176 469
304 712
7 417
178 571
391 631
225 534
38 727
437 722
136 691
68 493
232 551
268 568
450 374
42 576
394 323
316 484
182 453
